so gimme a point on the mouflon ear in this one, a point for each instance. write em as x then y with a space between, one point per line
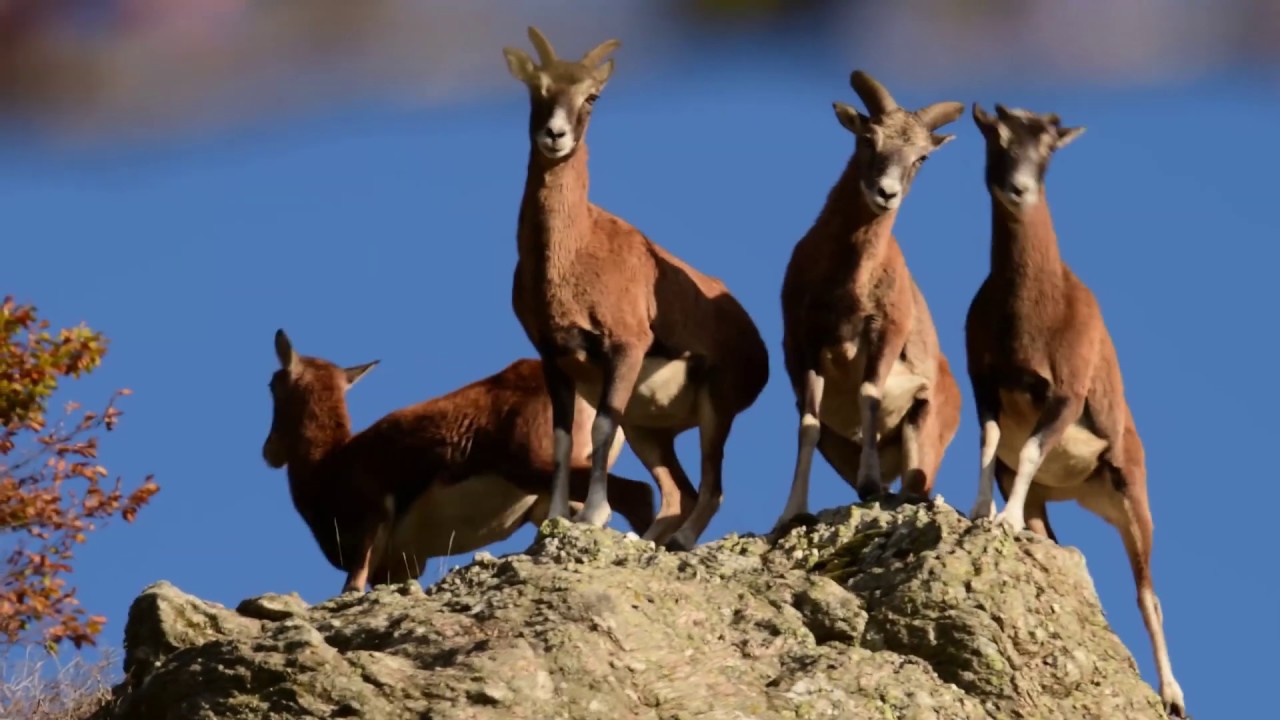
852 120
285 353
355 372
981 118
602 74
598 53
1066 136
992 128
940 140
519 64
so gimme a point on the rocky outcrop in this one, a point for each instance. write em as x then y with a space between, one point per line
904 612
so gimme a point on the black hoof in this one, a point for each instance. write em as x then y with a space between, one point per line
674 545
806 520
915 499
869 493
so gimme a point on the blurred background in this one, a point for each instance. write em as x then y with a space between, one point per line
188 175
99 67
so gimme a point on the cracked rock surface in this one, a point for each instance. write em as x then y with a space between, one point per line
891 612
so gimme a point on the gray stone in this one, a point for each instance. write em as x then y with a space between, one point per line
876 612
273 606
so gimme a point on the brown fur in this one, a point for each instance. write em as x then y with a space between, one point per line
1043 365
444 476
853 318
652 343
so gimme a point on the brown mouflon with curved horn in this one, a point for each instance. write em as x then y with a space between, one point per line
1046 379
874 390
656 346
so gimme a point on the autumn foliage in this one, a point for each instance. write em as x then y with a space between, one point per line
52 491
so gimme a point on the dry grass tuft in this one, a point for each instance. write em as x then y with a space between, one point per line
40 687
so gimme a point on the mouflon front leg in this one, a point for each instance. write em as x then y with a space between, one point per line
1060 412
622 369
884 341
562 390
807 441
986 398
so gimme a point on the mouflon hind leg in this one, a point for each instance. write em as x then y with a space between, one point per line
921 454
633 500
1123 504
713 432
842 454
358 576
656 450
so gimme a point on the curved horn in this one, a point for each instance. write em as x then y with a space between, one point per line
873 94
546 53
598 53
939 114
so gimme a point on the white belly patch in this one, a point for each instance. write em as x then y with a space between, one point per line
1070 462
459 518
843 372
663 395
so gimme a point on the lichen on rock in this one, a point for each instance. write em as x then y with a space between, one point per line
876 611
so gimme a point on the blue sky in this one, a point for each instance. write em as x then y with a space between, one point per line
374 232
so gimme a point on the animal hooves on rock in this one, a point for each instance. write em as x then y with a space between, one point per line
1009 527
803 519
800 520
674 545
871 493
598 520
